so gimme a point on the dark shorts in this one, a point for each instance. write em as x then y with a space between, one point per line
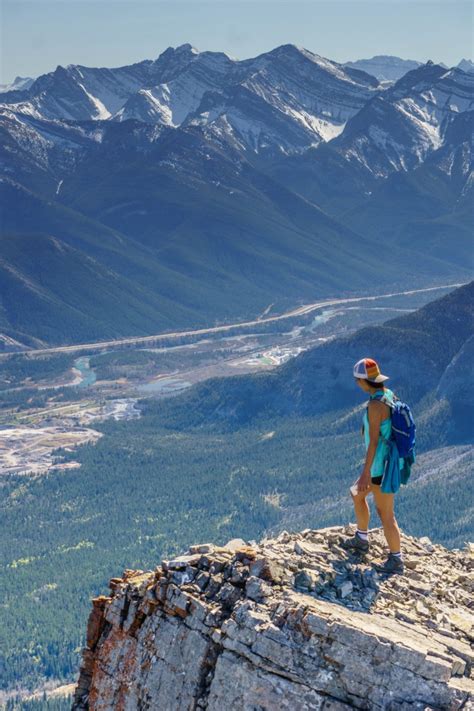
377 480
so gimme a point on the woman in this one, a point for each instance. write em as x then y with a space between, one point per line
376 428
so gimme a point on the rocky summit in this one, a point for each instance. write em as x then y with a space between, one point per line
294 622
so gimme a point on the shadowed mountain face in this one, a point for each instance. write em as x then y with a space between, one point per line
457 386
197 187
431 208
160 259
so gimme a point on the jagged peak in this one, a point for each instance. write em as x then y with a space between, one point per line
188 49
185 48
425 72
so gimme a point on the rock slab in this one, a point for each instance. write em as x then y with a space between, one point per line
295 622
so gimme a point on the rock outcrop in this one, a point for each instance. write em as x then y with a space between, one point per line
291 623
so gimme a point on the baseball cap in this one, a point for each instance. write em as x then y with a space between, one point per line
368 369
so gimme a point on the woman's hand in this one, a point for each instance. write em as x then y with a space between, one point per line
364 481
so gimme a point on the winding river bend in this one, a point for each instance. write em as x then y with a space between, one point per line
88 376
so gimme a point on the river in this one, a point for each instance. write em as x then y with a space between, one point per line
88 376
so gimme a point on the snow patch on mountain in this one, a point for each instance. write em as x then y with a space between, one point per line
101 111
46 144
108 89
172 101
323 128
406 123
169 103
424 123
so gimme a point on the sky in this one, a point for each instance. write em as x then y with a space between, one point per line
37 35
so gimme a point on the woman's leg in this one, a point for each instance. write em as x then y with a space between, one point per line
384 504
361 509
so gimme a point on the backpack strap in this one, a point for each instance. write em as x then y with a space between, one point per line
383 398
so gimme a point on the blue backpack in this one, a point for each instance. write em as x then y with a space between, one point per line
403 427
401 446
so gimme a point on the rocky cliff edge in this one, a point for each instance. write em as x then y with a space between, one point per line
291 623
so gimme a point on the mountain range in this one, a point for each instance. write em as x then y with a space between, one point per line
197 188
384 67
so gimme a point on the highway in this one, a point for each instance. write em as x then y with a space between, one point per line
149 340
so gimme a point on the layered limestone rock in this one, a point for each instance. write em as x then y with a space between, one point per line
291 623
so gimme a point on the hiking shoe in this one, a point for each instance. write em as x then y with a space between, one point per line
356 543
393 564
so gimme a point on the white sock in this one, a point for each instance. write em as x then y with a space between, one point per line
362 534
396 555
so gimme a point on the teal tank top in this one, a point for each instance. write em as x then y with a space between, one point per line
385 429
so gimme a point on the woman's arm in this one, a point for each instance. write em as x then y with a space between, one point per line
375 416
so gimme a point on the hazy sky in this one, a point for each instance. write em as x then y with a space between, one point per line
37 35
